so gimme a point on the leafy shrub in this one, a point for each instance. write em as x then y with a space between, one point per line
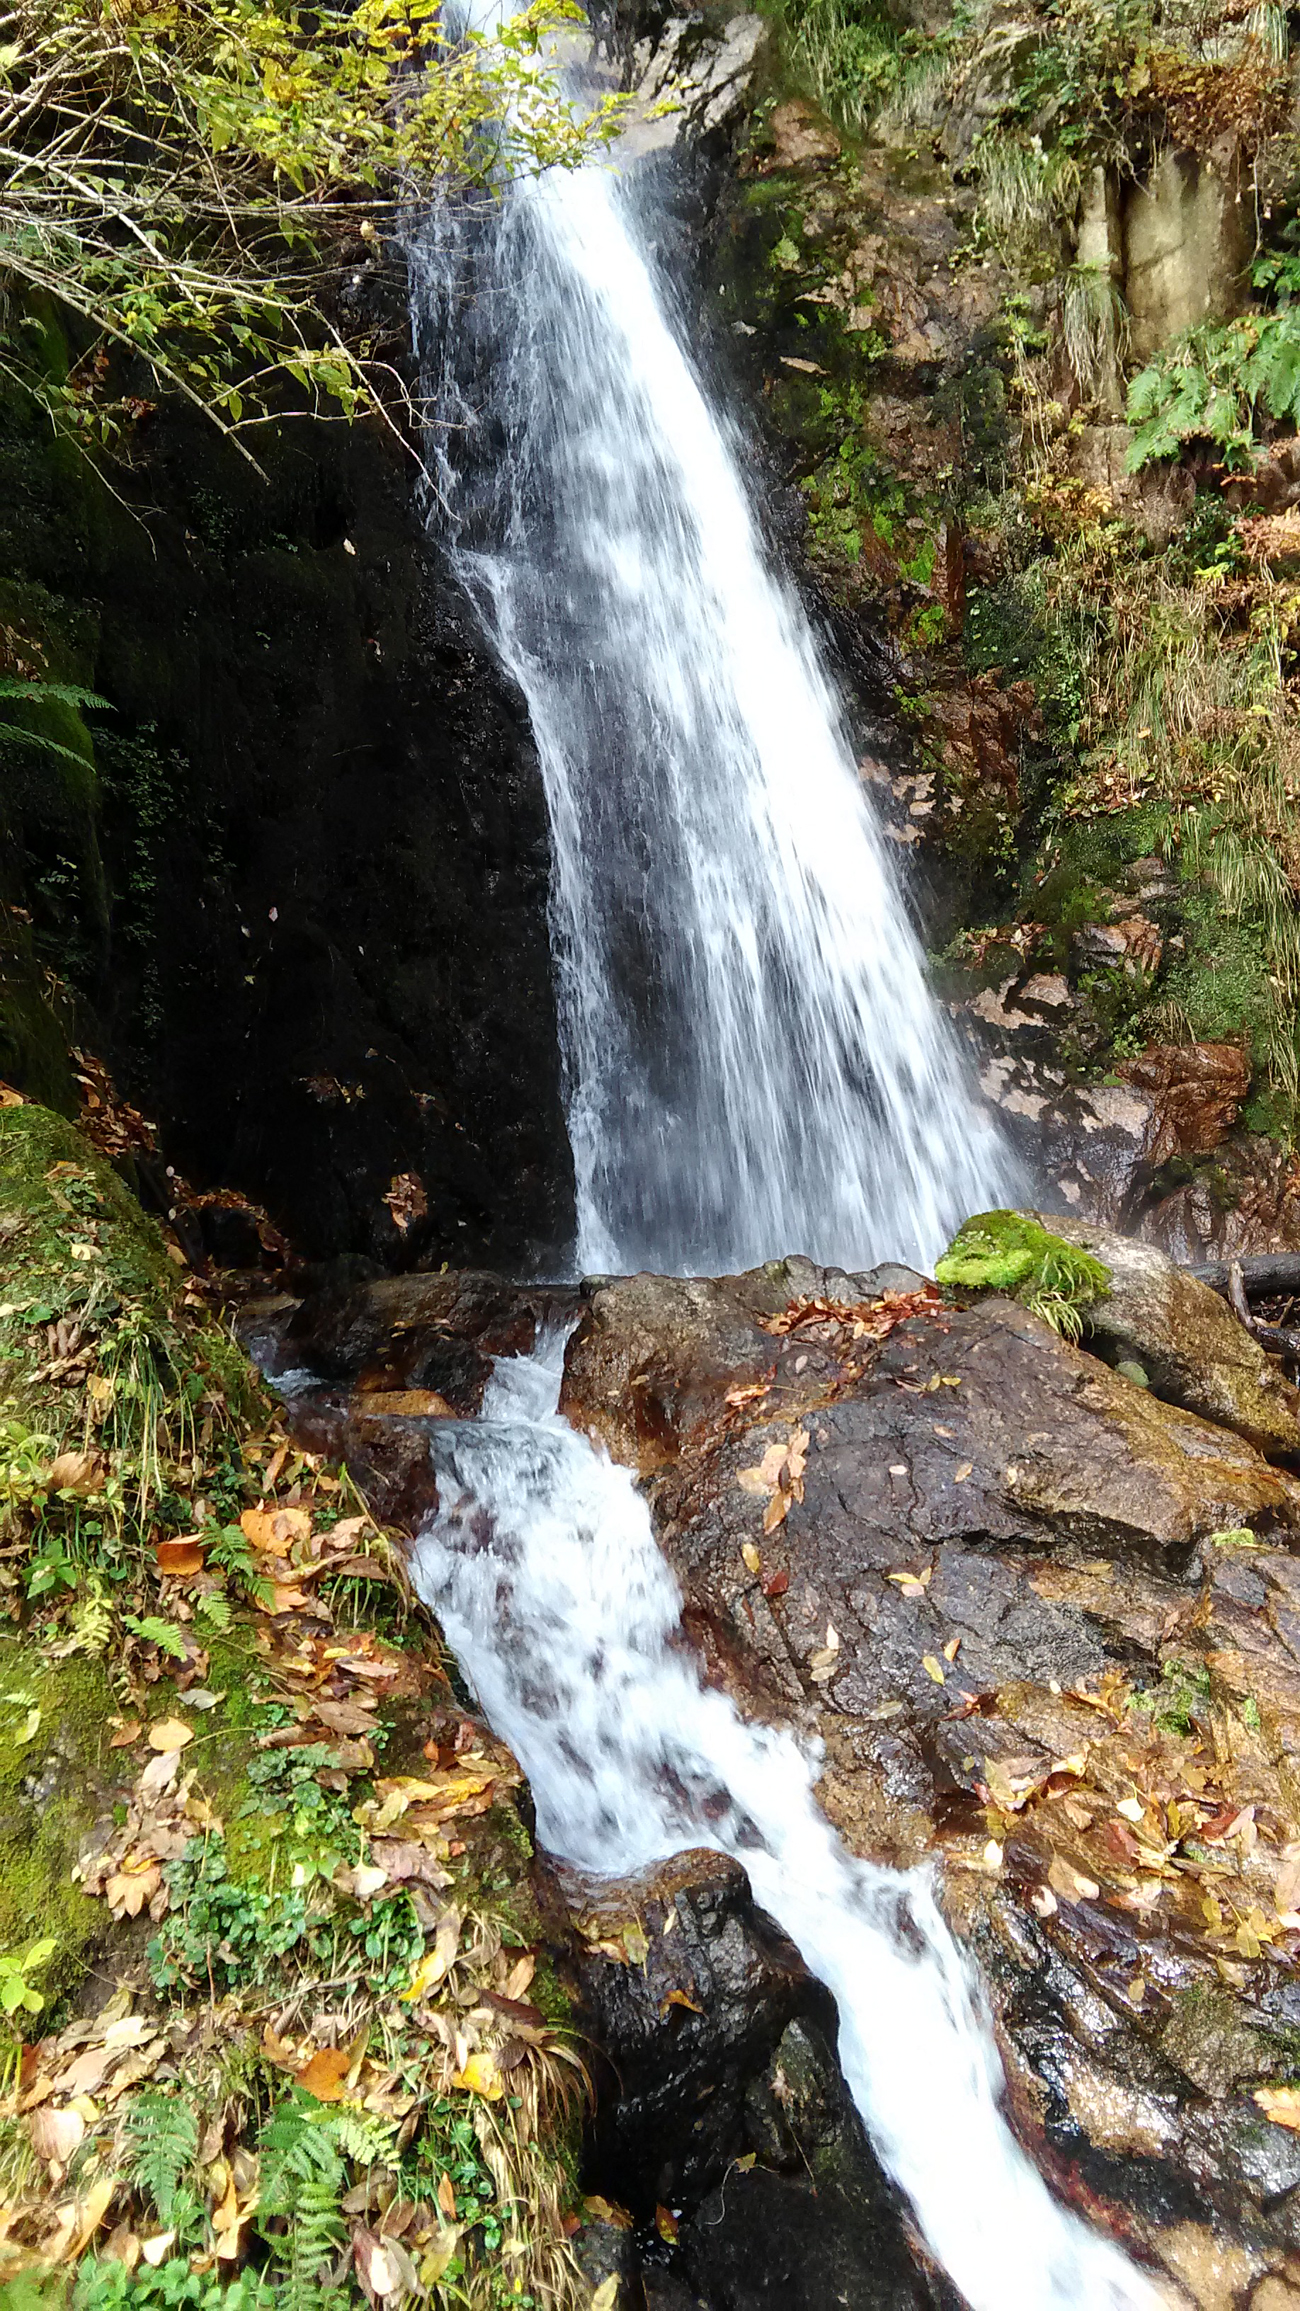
1212 382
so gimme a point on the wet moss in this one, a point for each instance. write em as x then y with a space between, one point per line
55 1779
1011 1253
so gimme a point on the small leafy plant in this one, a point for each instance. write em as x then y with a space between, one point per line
18 1992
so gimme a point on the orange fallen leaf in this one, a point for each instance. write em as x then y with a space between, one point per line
178 1558
447 2197
1281 2104
129 1730
258 1528
286 1597
325 2075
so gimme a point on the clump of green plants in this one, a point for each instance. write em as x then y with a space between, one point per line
1008 1252
1180 1697
222 1929
860 61
1217 380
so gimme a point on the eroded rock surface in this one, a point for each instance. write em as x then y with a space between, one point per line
423 1331
1048 1630
721 2098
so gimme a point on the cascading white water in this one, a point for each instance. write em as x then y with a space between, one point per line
544 1572
754 1063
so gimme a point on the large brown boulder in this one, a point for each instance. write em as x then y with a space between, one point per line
654 1356
1047 1628
1194 1350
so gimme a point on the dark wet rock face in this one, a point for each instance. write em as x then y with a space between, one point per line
393 1356
305 920
1047 1627
720 2100
438 1332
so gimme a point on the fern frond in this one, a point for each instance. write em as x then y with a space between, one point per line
51 693
303 2179
162 2140
371 2141
164 1634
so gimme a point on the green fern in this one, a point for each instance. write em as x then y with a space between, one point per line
371 2141
162 2140
230 1552
153 1631
216 1612
93 1622
46 694
51 693
303 2181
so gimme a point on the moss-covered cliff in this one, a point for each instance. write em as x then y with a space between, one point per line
266 1922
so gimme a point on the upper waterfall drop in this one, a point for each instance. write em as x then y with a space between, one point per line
754 1063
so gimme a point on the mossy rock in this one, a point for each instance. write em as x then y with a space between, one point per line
1008 1252
76 1242
54 1782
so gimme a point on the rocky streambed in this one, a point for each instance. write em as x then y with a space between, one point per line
1038 1599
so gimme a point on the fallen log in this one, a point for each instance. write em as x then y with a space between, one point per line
1264 1275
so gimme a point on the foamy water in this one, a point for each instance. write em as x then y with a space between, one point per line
544 1572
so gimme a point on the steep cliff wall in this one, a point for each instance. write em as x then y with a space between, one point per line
294 886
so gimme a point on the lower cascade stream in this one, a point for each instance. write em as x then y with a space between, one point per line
545 1574
754 1065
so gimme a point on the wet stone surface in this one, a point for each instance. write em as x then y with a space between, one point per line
1047 1627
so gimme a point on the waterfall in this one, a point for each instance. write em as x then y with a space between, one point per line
754 1066
753 1061
544 1571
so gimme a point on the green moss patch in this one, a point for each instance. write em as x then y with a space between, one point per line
1009 1253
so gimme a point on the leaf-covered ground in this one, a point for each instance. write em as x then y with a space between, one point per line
273 2024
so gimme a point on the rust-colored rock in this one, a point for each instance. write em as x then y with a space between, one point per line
1198 1089
801 136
